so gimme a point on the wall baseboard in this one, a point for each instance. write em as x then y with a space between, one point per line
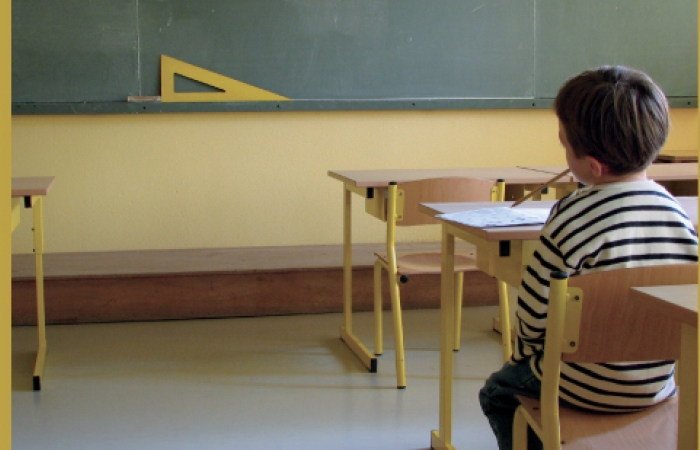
191 284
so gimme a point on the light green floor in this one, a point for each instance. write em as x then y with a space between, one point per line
246 383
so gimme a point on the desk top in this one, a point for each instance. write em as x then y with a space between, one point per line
679 302
381 178
676 156
521 232
22 187
512 175
669 172
657 172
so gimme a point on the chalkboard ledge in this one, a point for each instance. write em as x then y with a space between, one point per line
300 105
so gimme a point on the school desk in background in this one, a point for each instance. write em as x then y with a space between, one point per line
29 192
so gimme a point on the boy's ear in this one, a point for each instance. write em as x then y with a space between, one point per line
598 169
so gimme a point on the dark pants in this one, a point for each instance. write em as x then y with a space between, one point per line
498 401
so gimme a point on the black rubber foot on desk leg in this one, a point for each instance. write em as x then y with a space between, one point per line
36 383
400 387
373 365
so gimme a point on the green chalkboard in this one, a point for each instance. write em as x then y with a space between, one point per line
659 37
74 51
77 56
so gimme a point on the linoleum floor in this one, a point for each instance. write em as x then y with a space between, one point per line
246 383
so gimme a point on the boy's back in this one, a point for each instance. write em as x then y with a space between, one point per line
613 122
606 227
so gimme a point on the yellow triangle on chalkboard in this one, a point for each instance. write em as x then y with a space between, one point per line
231 90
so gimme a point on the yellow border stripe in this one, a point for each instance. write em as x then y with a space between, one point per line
5 231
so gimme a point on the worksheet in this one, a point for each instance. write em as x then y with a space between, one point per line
498 217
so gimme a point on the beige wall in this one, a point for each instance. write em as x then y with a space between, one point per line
163 181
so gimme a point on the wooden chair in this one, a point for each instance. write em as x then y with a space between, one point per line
402 210
591 320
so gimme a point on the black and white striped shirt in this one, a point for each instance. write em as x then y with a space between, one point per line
598 228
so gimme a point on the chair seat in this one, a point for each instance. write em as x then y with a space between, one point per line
653 428
430 262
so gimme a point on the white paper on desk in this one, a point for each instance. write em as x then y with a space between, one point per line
498 217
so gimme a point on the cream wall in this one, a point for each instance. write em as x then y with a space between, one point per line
164 181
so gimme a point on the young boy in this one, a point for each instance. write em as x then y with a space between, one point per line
612 123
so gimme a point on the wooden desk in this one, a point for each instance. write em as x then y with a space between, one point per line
677 156
673 172
371 185
678 179
381 178
30 192
682 171
685 171
680 303
501 252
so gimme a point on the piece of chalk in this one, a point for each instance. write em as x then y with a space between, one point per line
143 98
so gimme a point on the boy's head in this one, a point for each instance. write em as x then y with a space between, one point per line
616 115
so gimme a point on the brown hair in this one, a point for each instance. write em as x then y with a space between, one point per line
616 115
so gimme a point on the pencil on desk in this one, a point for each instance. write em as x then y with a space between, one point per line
540 187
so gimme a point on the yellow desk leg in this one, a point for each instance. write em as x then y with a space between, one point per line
459 289
436 443
378 313
347 260
41 315
443 437
357 347
504 316
504 310
15 215
688 382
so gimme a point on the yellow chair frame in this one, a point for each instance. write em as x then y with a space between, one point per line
591 320
402 210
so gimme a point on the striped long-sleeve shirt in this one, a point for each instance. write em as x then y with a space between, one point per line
598 228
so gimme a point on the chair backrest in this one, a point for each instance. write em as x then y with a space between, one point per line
440 190
607 326
615 329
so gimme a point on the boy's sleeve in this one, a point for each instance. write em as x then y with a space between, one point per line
531 313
